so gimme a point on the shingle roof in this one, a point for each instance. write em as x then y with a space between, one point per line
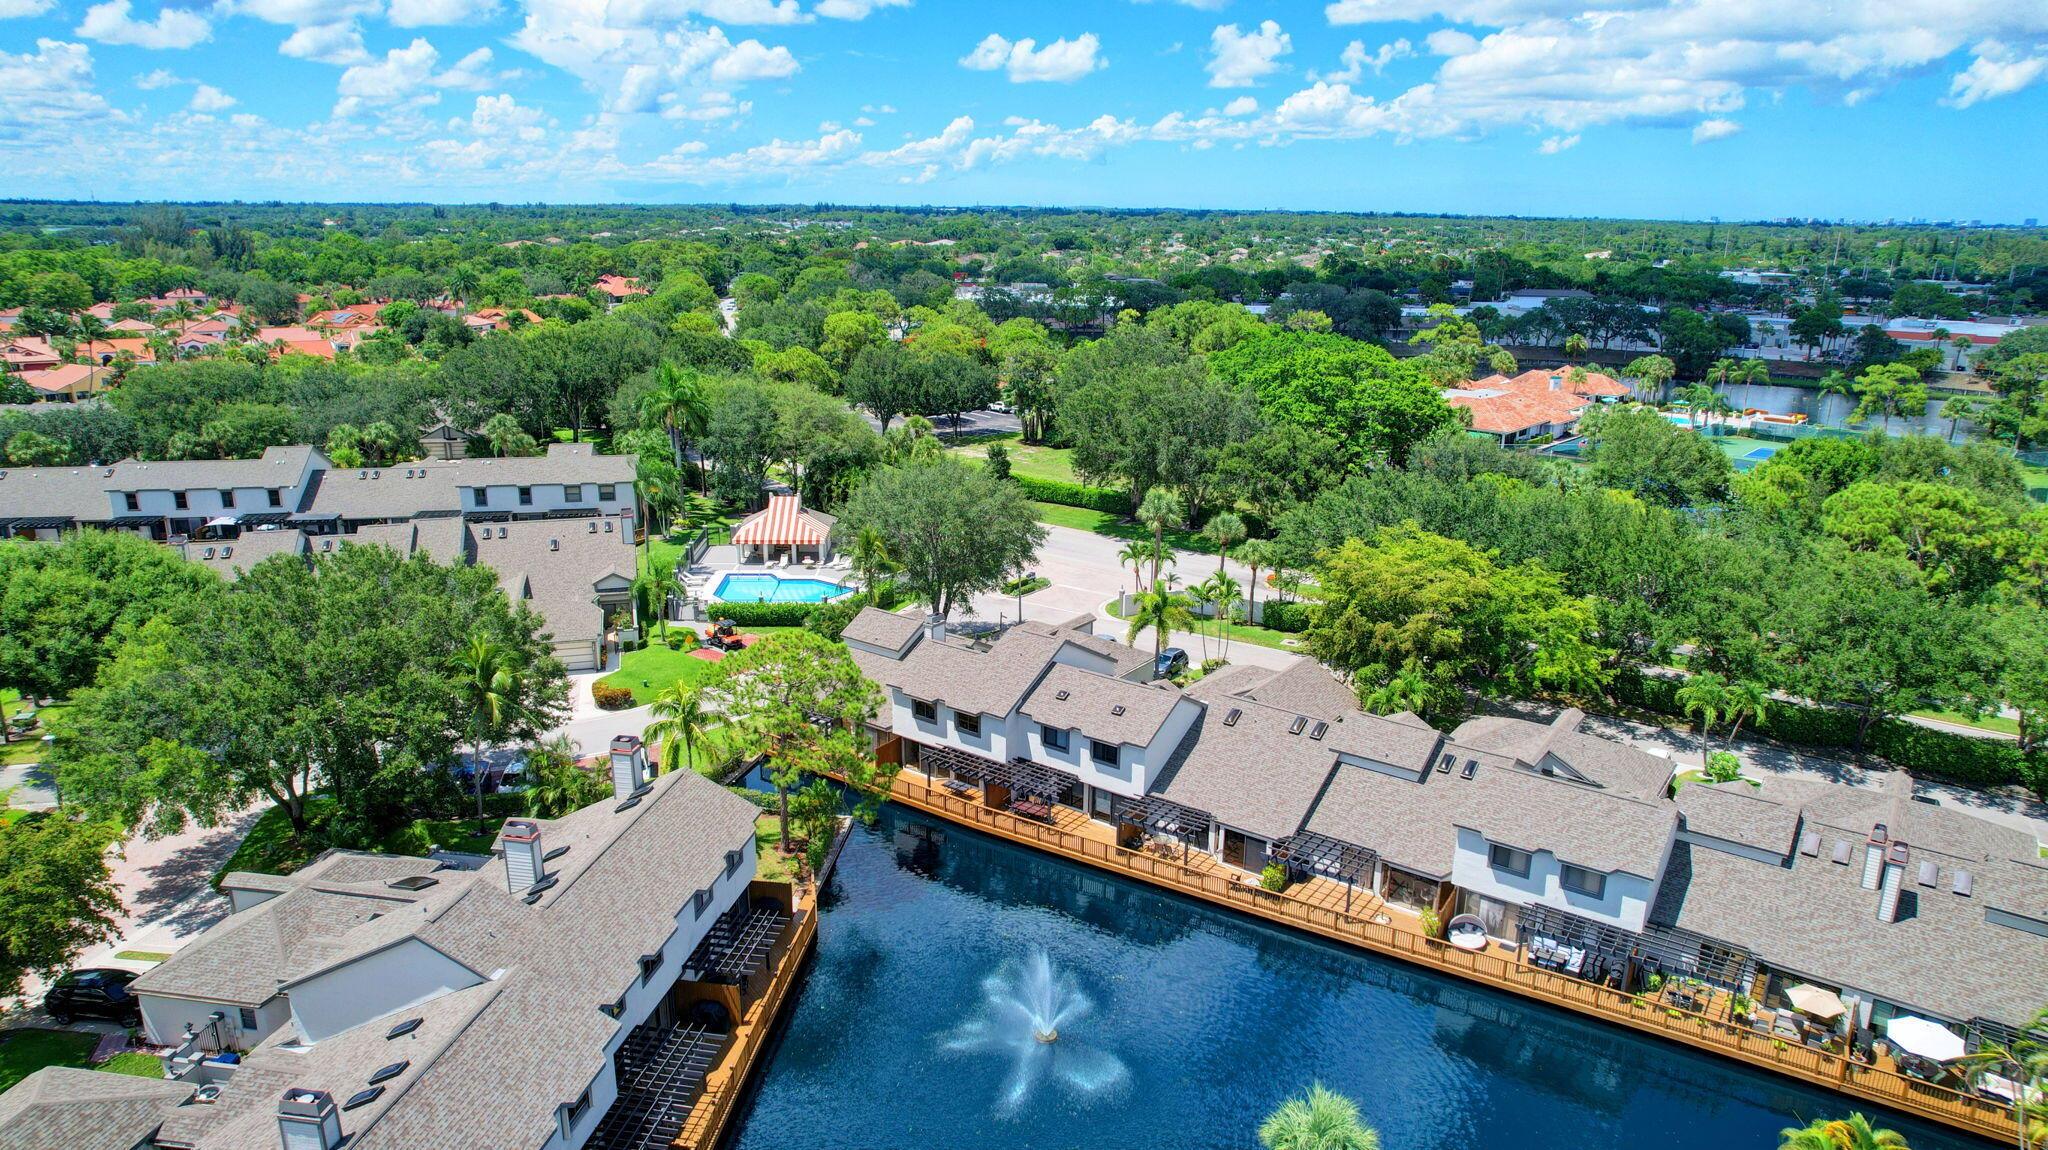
66 492
1250 773
231 557
67 1108
879 628
1306 688
278 467
555 565
1615 766
1738 813
405 490
1113 710
970 677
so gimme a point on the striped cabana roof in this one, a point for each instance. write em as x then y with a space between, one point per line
783 523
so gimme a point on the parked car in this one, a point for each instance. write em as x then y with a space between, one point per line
94 992
1171 662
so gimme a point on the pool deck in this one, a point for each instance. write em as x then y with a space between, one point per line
1317 906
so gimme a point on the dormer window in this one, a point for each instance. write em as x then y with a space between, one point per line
573 493
276 497
481 496
526 497
967 724
132 500
925 712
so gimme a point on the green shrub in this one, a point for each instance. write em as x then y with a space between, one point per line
829 619
1289 617
611 698
1274 877
1105 499
764 614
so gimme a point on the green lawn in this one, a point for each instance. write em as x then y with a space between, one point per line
133 1062
25 748
2037 482
650 670
1998 723
23 1052
1035 461
773 865
1238 632
1104 523
698 510
270 848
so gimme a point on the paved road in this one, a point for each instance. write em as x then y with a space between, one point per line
971 423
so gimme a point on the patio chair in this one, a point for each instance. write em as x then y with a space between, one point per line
1576 962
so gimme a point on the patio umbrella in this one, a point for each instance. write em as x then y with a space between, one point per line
1924 1038
1816 1001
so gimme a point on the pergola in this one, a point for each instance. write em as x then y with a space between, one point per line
1667 949
1331 858
1166 817
741 943
960 764
1025 777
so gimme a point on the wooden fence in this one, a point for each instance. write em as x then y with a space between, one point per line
714 1108
1833 1071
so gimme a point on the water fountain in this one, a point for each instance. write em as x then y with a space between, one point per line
1024 1007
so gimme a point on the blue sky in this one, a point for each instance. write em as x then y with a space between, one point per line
1732 108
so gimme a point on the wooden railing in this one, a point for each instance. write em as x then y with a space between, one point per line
1819 1067
714 1108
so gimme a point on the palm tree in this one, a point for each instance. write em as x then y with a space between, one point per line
678 405
1200 602
1225 530
680 719
1723 371
489 685
1962 345
1752 373
555 784
1133 556
90 329
1159 508
1704 695
1258 555
462 283
1574 345
2025 1059
1956 409
1223 591
1322 1119
1851 1133
871 558
1160 611
1835 383
1408 689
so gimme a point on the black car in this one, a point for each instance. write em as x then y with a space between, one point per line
95 992
1171 662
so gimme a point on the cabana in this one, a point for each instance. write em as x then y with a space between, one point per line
784 530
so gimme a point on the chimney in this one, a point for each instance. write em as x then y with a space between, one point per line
308 1120
1873 856
1894 883
523 865
935 627
1557 383
629 766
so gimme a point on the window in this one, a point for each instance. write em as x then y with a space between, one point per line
276 497
481 495
1508 859
227 497
1054 738
526 497
699 903
925 712
967 724
733 859
573 493
1101 752
650 965
607 491
133 500
572 1112
248 1018
178 500
1579 880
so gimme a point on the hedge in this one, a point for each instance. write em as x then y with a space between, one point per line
1105 499
762 614
1967 759
1289 617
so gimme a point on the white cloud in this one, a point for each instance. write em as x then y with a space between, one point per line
431 13
1450 42
47 99
327 44
855 9
1996 71
1237 59
159 78
207 98
1242 106
1715 129
1356 60
501 116
408 77
305 13
1061 61
636 59
1556 144
21 9
112 23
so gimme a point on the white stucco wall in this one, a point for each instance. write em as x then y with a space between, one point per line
240 899
1626 902
164 1020
374 985
550 497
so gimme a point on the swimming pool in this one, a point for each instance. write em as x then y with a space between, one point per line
775 589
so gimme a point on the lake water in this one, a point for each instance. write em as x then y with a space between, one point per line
906 1033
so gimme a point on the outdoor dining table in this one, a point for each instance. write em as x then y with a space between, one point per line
1999 1087
1033 809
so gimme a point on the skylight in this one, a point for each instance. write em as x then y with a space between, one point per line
403 1028
363 1097
387 1073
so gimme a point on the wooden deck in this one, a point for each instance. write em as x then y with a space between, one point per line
1317 907
727 1081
